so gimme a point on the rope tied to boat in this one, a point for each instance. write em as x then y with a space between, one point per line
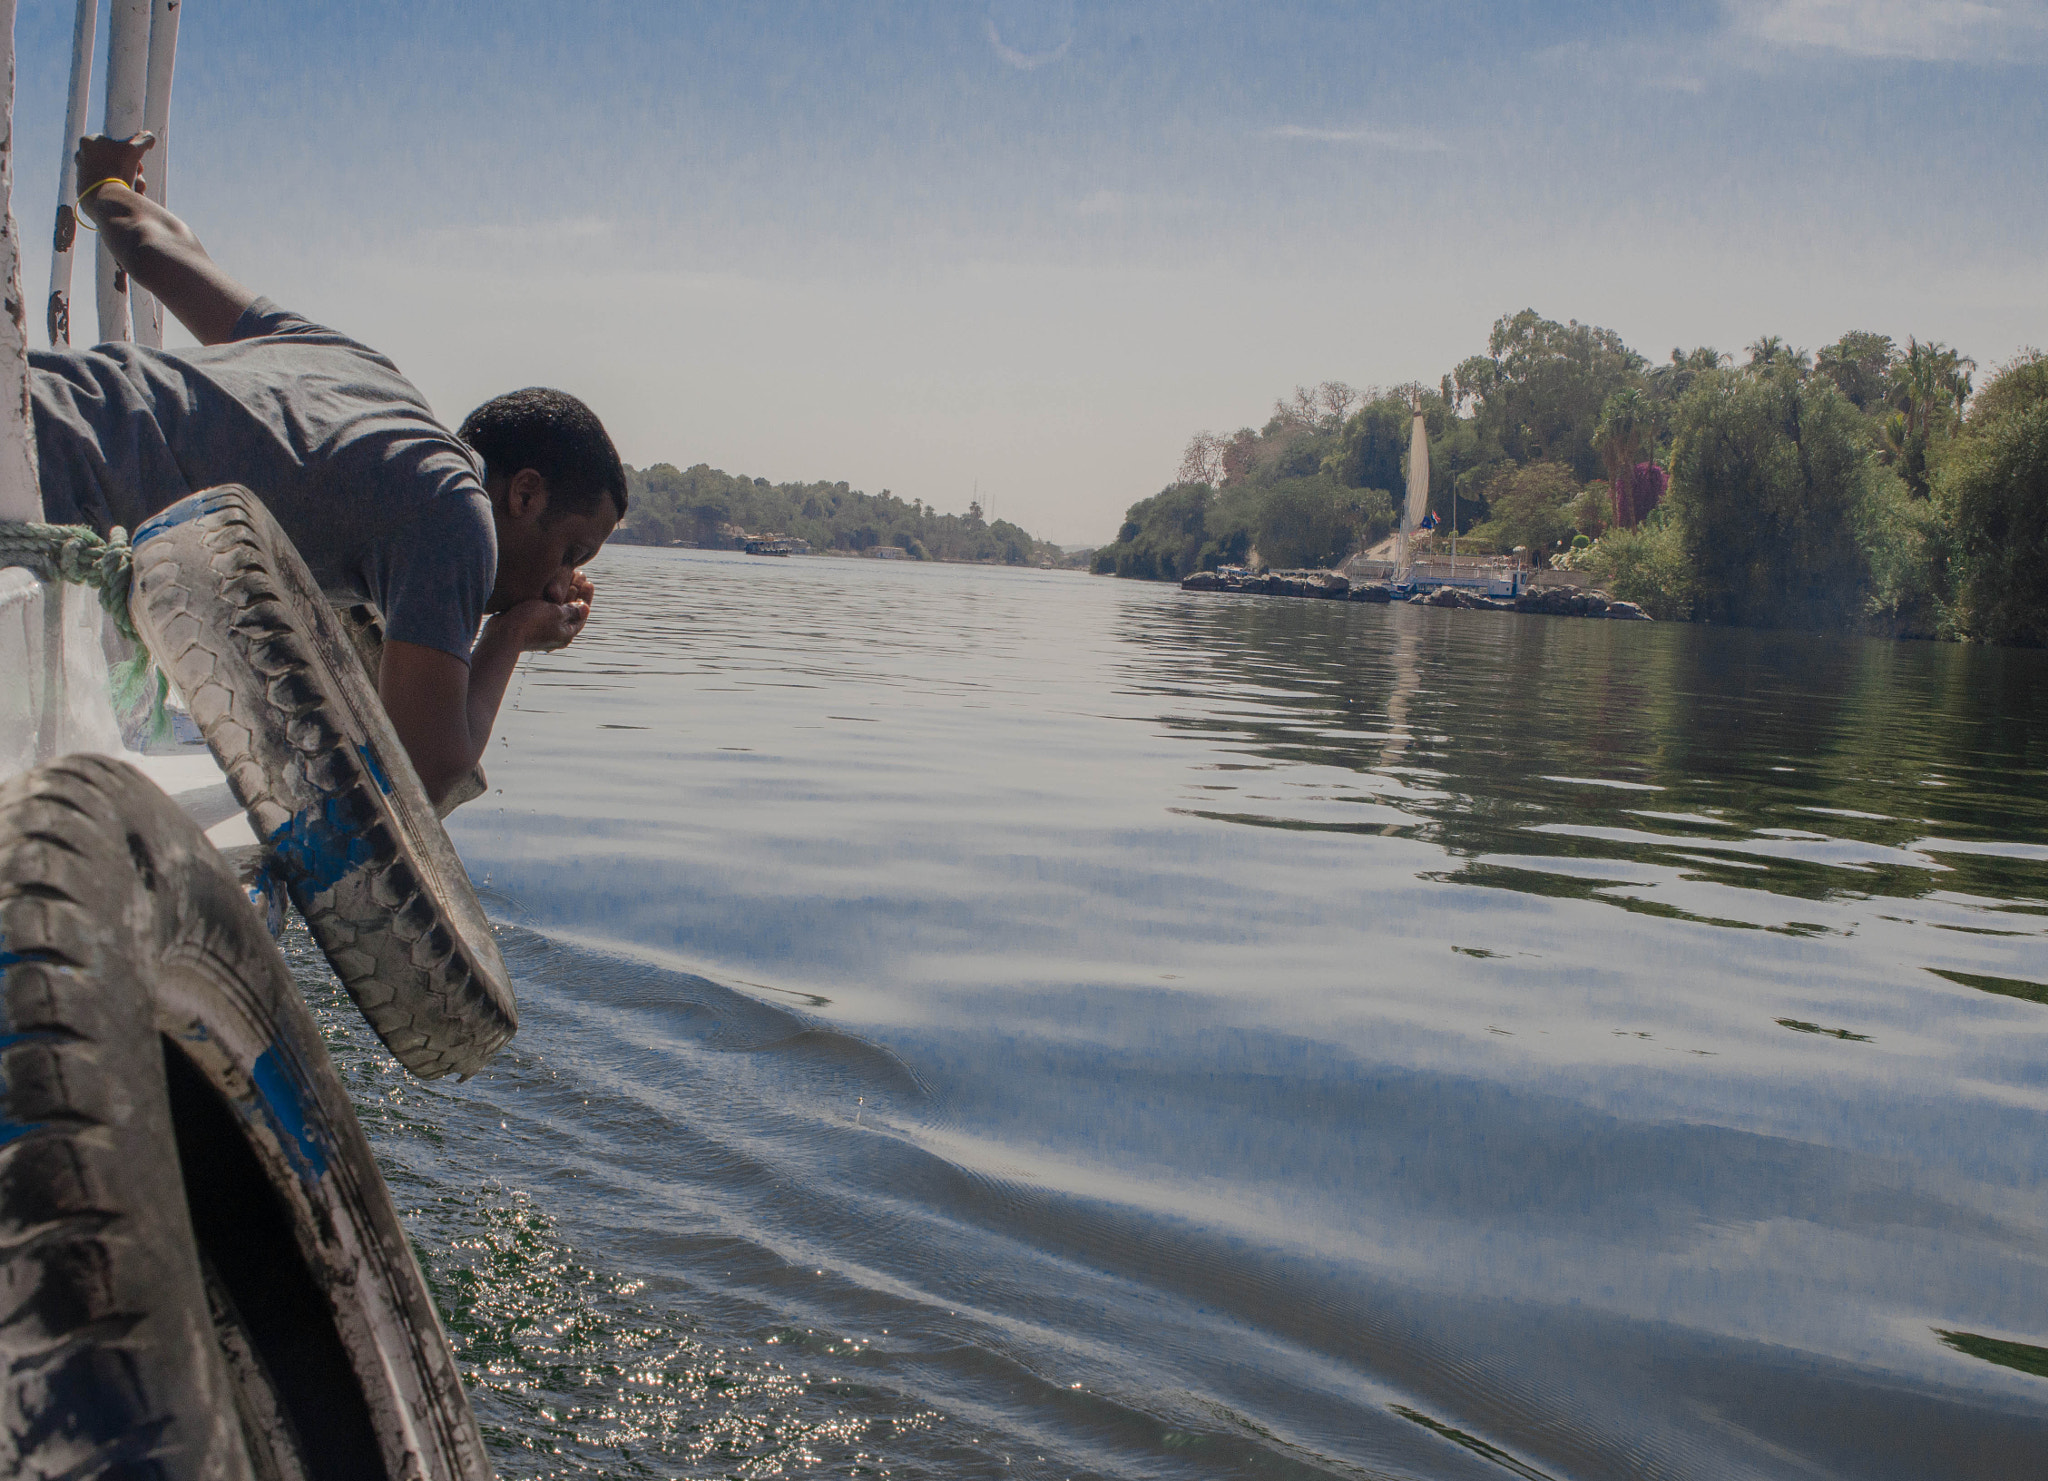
80 555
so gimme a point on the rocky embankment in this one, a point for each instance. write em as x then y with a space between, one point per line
1334 586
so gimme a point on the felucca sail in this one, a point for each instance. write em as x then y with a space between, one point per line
1418 494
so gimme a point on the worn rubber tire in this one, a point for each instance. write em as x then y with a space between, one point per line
230 611
201 1265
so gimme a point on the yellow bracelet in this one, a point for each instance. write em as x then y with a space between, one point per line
79 211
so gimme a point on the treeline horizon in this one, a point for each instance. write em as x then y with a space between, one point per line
1865 487
695 505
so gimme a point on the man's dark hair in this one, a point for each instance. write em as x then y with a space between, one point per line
556 436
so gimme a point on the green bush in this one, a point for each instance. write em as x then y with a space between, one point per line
1592 512
1370 449
1162 537
1902 541
1309 521
2020 383
1771 476
1994 492
1646 565
1313 522
1530 505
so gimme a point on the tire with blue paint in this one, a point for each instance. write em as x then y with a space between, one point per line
201 1271
274 682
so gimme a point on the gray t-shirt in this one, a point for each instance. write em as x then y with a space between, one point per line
385 504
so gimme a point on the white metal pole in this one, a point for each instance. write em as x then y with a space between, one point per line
127 75
156 117
20 497
59 313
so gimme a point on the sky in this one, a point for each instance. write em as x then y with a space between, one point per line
1028 247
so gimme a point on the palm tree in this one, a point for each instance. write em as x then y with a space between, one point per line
1771 350
1930 385
1626 436
1931 382
1669 382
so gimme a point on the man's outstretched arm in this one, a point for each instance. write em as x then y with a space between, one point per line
443 709
155 248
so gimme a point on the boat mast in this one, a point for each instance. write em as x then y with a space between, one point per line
156 117
127 76
66 234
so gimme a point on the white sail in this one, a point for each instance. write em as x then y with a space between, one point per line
1418 492
1418 472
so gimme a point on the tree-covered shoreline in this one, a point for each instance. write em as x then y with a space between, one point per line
706 507
1867 487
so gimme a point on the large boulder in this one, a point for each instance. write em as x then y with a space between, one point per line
1562 601
1372 591
1328 584
1548 601
1628 612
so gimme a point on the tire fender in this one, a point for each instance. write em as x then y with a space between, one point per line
276 686
181 1171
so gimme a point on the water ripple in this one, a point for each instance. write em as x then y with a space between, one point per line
983 1022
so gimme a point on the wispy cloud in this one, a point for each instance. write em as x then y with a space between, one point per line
1403 141
1916 30
1029 34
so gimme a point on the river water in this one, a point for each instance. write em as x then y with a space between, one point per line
1001 1023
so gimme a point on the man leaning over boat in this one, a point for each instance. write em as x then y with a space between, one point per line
443 532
